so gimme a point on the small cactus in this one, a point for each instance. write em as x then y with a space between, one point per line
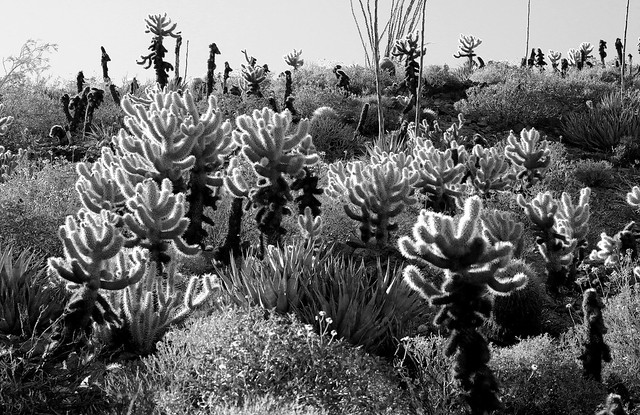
530 156
293 59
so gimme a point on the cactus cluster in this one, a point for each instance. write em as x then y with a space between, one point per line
471 265
489 170
530 156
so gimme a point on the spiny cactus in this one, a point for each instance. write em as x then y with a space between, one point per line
574 219
94 260
471 265
530 156
5 122
157 220
554 236
149 308
575 58
467 45
293 59
273 151
595 350
554 57
439 177
612 249
211 67
408 49
310 227
9 162
489 170
500 226
380 190
254 76
585 53
160 27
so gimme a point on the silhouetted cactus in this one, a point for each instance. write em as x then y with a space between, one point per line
619 51
540 62
602 52
595 350
471 267
211 67
293 59
407 49
554 57
225 78
467 45
160 27
344 82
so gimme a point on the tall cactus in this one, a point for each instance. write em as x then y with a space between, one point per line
160 27
273 153
467 45
471 264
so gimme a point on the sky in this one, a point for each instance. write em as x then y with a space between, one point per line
323 29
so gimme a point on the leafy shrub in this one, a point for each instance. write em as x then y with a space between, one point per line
333 137
603 126
539 376
529 99
237 355
441 78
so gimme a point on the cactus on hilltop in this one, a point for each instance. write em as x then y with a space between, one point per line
530 156
273 152
294 59
380 190
471 265
160 27
574 57
554 57
93 260
467 45
602 51
211 67
585 50
595 350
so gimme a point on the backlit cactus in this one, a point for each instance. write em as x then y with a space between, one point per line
471 265
467 45
380 190
499 226
489 170
554 57
157 220
408 49
94 260
294 59
530 156
149 308
273 152
439 177
254 76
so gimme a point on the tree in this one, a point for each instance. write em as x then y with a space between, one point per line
31 61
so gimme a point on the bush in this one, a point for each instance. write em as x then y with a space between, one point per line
333 137
603 126
591 173
530 99
34 203
237 355
540 376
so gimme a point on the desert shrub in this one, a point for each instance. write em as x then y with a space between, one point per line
540 376
622 319
591 173
35 202
494 73
237 355
605 123
439 78
530 99
333 137
309 98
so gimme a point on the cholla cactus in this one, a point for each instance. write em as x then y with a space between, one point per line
293 59
254 76
575 219
439 177
380 190
272 152
612 249
499 226
149 308
466 48
310 227
553 236
595 350
5 122
157 220
9 162
575 58
554 57
160 27
530 156
585 53
91 246
407 49
489 170
470 263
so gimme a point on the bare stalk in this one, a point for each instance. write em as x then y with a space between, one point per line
417 123
526 52
624 51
